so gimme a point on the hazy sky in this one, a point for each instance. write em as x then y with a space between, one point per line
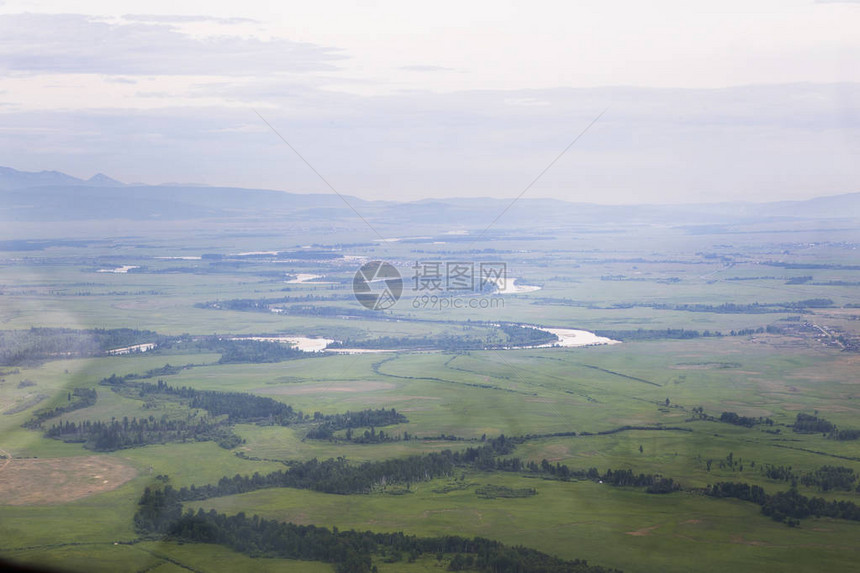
754 100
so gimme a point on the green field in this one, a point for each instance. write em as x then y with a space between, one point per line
650 390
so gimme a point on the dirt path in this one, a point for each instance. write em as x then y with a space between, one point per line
642 532
8 459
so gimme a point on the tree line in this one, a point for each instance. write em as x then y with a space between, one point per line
746 421
223 408
365 418
813 424
83 398
36 345
826 478
338 476
129 433
239 407
160 513
786 507
506 335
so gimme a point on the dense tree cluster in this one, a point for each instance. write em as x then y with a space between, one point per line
653 483
809 424
223 408
29 347
160 509
167 370
371 436
827 478
681 333
753 308
114 435
260 304
787 506
242 407
77 399
363 419
639 428
491 491
648 334
779 473
332 476
255 351
160 512
507 335
439 342
339 477
743 491
746 421
526 336
239 407
813 424
844 435
290 305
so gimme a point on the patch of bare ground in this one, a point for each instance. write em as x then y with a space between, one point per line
7 459
556 451
642 532
60 480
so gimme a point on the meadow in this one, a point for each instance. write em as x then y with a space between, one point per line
651 404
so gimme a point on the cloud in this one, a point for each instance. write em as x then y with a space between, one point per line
68 43
652 145
178 19
425 68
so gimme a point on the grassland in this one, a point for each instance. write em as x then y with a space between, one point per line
617 284
617 527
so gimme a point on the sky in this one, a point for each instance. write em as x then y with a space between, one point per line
756 100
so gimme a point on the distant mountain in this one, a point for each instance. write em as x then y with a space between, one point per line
102 180
11 179
55 196
831 206
14 179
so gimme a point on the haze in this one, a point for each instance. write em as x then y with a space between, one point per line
752 101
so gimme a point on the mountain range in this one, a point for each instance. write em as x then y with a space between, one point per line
55 196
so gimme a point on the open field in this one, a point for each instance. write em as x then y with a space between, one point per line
651 404
59 480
